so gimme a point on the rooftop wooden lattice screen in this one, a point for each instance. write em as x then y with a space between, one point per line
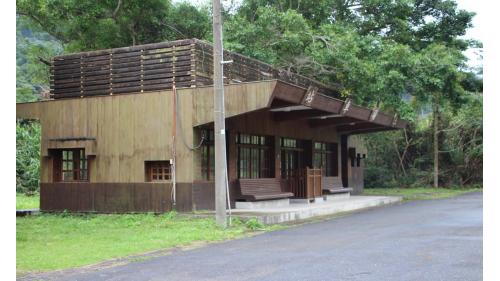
155 67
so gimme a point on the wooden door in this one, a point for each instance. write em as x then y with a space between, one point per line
344 162
292 171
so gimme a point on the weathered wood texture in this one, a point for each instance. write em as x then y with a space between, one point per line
123 70
239 99
246 69
261 189
332 183
155 67
313 183
106 197
203 195
355 173
261 122
127 131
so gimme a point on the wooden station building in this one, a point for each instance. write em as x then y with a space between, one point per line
108 131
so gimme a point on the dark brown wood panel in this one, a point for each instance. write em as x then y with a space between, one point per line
204 195
184 197
111 197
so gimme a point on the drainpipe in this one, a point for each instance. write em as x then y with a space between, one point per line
174 131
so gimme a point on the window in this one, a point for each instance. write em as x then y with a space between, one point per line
254 156
71 165
158 171
292 159
326 158
290 143
207 155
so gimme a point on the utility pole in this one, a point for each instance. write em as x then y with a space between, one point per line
219 119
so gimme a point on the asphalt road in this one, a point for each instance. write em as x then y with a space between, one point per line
420 240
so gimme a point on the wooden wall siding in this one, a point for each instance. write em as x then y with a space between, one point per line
128 130
356 174
261 123
28 110
239 99
203 195
106 197
184 197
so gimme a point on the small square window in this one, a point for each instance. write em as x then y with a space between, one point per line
158 170
71 165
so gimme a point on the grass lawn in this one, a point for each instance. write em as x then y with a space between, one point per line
27 202
421 193
56 241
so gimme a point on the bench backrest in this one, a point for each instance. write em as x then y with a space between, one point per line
332 182
256 186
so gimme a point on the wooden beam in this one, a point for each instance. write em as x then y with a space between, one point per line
358 126
334 121
374 130
297 115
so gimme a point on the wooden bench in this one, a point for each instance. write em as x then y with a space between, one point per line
333 185
261 189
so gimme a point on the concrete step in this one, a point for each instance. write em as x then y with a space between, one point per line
304 211
277 203
317 200
331 197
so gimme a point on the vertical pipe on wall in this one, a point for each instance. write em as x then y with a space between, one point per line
174 131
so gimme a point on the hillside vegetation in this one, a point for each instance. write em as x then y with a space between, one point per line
404 57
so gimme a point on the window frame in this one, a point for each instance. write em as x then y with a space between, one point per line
328 157
158 171
78 161
207 155
254 156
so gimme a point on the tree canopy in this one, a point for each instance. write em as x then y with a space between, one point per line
402 56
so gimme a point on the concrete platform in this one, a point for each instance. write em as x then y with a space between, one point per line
27 212
330 197
301 211
278 203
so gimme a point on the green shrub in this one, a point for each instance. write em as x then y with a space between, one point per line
254 224
27 157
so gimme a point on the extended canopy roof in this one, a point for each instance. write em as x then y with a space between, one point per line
189 64
290 102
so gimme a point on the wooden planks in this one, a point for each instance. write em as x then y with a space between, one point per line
122 132
261 189
106 197
245 69
123 70
239 99
151 67
313 183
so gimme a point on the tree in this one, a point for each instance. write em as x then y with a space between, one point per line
400 56
27 157
32 47
438 80
90 25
